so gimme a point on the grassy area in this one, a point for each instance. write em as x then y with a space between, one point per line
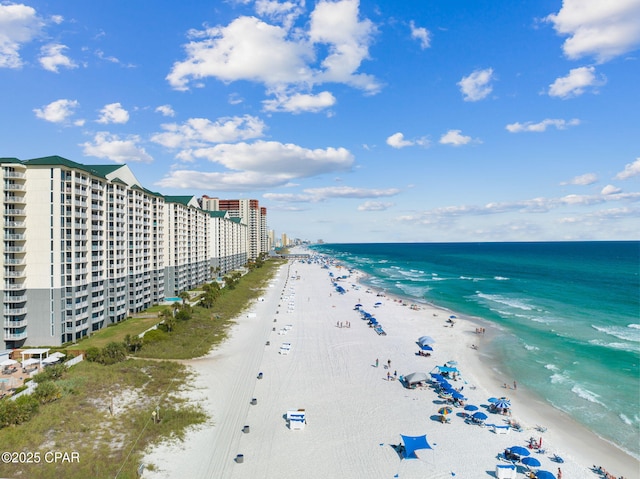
110 446
80 422
207 327
117 332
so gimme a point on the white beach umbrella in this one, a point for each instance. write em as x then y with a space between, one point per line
8 362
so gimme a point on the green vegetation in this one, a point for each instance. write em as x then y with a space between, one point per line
80 420
102 408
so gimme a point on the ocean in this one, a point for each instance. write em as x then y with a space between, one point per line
568 312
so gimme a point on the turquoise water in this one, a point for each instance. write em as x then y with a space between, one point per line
570 312
172 299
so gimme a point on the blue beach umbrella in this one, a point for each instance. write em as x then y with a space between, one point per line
502 403
545 475
457 395
530 461
519 450
479 415
470 407
492 400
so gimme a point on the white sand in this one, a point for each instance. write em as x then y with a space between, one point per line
354 414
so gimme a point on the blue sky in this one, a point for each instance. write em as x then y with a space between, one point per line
420 120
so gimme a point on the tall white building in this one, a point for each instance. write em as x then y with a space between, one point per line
84 246
251 214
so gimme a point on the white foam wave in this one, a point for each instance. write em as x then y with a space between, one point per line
551 367
625 419
557 378
513 303
633 326
626 333
587 395
501 278
529 347
622 346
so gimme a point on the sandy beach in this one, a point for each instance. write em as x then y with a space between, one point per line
355 414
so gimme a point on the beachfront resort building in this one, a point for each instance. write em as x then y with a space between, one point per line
85 246
251 214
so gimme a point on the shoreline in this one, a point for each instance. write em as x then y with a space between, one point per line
355 413
497 378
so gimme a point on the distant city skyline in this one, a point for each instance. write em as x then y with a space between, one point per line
349 121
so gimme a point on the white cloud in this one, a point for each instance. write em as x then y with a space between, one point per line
454 138
282 57
300 102
113 113
112 147
283 12
199 132
52 57
289 160
603 29
350 192
630 170
421 34
375 206
610 190
165 110
576 82
259 165
582 180
19 24
477 85
57 111
542 125
397 141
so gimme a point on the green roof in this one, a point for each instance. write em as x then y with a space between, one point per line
97 170
10 160
217 214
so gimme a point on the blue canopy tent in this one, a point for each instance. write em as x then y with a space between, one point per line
413 443
545 475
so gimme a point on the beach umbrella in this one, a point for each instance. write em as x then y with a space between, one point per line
457 395
545 475
415 378
445 410
519 450
452 317
530 461
451 363
492 400
426 340
437 377
470 407
502 403
479 415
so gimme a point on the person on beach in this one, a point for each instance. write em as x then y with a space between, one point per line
376 362
389 363
559 473
388 376
515 386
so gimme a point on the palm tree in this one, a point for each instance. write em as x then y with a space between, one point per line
184 296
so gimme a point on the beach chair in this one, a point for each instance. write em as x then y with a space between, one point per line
505 471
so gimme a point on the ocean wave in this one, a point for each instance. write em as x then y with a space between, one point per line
470 278
529 347
634 348
558 378
501 278
587 395
626 420
513 303
626 333
633 326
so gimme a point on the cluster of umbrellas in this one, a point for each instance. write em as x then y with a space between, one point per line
530 462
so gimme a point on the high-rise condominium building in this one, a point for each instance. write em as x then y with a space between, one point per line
84 246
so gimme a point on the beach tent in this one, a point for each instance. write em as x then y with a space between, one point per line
415 378
8 362
422 340
412 444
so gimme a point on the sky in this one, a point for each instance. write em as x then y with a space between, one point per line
371 121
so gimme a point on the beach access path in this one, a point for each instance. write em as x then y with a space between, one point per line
354 413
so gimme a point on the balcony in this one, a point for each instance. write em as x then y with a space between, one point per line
14 174
14 224
14 299
14 237
15 212
15 324
14 274
14 199
15 336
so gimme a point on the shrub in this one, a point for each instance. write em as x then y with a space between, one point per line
47 391
93 354
50 373
18 411
154 336
113 353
